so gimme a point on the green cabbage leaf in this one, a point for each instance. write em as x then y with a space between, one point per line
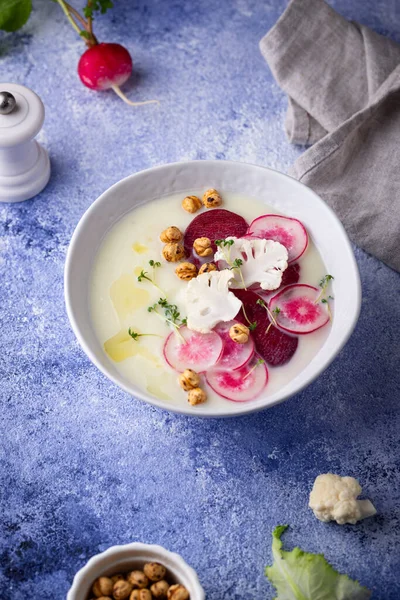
299 575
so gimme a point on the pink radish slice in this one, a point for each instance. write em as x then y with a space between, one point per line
298 310
234 355
199 351
285 230
240 385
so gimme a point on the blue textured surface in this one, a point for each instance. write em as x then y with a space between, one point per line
85 466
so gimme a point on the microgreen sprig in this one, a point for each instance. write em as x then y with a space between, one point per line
135 335
154 265
171 315
323 284
144 275
224 243
252 324
237 263
325 281
260 361
270 313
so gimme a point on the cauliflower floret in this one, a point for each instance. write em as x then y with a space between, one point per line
334 498
208 301
262 261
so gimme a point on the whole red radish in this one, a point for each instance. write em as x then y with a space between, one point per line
107 66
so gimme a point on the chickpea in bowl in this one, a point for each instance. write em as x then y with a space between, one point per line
136 572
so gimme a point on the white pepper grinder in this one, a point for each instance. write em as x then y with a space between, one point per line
24 163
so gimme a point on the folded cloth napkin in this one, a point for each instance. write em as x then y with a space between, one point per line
343 84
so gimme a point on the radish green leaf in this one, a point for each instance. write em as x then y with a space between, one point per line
14 14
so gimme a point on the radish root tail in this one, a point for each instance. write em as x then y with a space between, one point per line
121 94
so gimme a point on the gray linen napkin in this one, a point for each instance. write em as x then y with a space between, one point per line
343 84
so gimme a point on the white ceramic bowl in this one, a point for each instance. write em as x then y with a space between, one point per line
119 559
275 189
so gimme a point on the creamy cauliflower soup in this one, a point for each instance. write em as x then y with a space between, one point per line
224 307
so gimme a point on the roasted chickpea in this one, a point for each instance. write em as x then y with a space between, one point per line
154 571
103 586
239 333
171 234
137 579
189 379
121 589
207 268
117 577
177 592
140 595
196 396
203 247
160 589
211 199
191 204
186 271
173 252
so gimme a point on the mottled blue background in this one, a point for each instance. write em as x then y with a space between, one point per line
85 466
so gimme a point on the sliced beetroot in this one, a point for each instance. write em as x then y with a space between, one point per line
289 232
215 224
234 355
299 310
290 275
198 351
275 347
240 385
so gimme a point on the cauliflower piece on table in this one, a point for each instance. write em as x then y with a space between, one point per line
262 261
208 301
334 498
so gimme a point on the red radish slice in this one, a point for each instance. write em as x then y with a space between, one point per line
298 310
234 355
291 233
241 385
215 224
199 351
275 347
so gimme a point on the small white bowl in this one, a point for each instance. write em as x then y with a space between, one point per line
279 191
120 559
